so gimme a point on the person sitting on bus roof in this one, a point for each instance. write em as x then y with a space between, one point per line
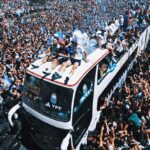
62 56
76 55
62 68
104 44
79 54
51 52
76 58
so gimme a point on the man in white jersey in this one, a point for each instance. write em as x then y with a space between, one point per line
76 57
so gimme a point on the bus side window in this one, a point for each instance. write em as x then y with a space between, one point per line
82 111
103 67
84 90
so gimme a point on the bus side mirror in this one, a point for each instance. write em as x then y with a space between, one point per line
12 112
65 142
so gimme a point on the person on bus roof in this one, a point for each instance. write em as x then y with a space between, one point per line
104 44
62 56
77 53
51 52
77 56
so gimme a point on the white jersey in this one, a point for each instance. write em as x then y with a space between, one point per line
117 24
103 40
79 52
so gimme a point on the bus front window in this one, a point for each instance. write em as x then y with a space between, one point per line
49 99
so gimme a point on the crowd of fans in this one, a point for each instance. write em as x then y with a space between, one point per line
26 30
125 123
25 33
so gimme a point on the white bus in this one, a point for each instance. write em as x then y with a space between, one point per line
61 115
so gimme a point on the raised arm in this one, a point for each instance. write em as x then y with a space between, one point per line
113 138
107 128
101 136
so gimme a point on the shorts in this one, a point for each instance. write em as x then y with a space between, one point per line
104 45
62 59
53 55
73 61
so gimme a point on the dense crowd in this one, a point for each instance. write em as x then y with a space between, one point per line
25 31
125 123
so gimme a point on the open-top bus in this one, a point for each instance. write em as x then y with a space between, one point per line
61 115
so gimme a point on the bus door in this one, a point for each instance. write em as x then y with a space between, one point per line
82 111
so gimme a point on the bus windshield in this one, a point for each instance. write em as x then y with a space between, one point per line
49 99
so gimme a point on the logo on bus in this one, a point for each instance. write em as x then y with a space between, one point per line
52 102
